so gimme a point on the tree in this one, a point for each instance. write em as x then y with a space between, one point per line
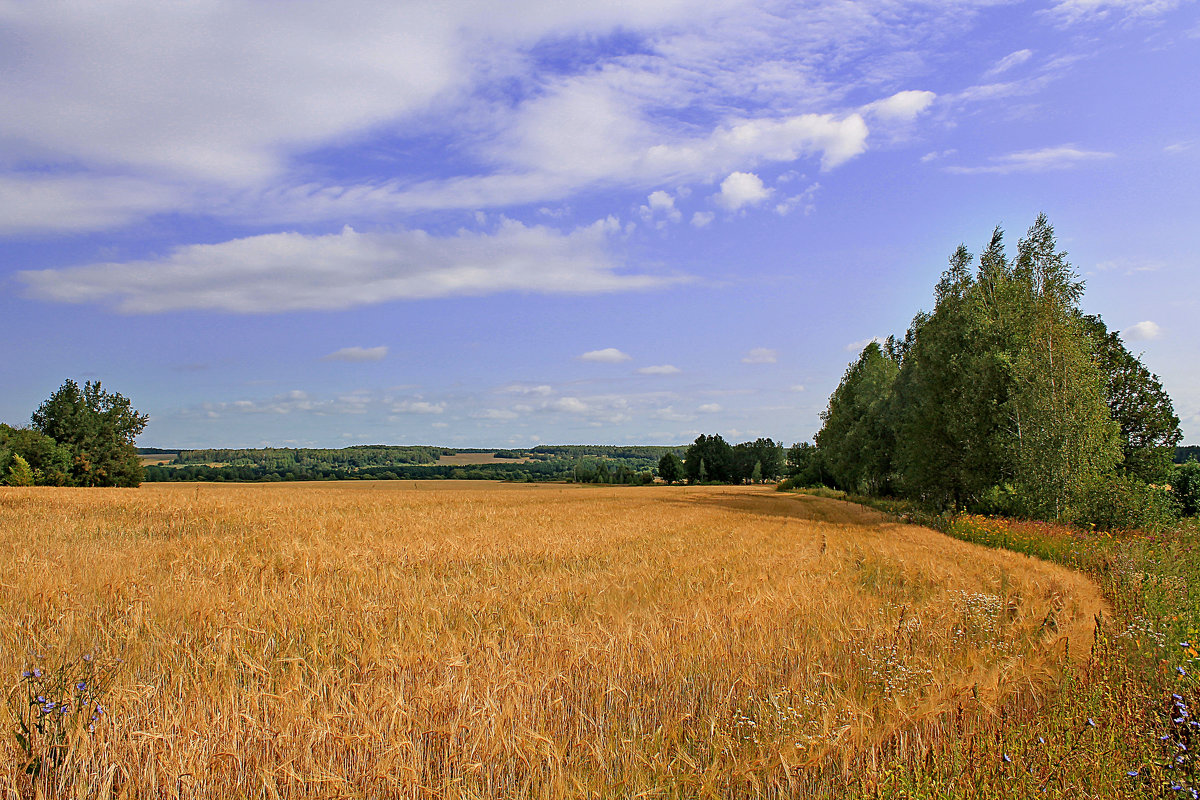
804 465
98 428
49 461
670 468
714 455
857 440
1138 404
19 474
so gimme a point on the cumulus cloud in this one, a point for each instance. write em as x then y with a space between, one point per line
701 218
293 271
1008 62
1046 159
661 369
741 189
357 354
710 408
660 207
1142 332
609 355
760 355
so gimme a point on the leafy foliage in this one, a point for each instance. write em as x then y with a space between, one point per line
98 429
1005 399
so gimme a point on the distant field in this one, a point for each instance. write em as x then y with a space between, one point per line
450 639
156 458
467 459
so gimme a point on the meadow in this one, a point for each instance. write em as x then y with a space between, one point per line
389 639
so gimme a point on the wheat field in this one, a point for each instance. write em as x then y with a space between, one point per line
393 639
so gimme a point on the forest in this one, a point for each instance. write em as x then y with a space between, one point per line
1006 399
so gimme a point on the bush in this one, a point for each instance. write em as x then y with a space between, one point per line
1185 486
1124 503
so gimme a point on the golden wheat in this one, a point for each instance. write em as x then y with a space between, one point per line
480 640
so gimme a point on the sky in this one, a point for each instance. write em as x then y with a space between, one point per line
485 224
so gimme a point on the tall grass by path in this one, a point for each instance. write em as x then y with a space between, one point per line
386 640
1141 687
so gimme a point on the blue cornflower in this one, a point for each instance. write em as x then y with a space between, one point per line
87 657
26 674
1091 723
1181 671
1177 698
37 673
1133 773
1041 740
81 686
1006 759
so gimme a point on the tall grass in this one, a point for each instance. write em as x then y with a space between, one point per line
385 640
1140 685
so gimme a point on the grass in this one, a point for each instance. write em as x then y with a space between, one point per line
485 640
1140 685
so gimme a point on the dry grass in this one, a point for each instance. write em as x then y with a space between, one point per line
474 459
485 640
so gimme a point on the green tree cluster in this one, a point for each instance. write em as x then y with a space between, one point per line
710 459
1005 398
79 437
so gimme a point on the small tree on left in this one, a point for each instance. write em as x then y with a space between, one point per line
98 428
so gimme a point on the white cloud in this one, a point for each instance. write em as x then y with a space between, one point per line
609 355
1071 11
901 107
1008 62
936 154
741 189
498 414
357 354
233 98
856 347
571 405
418 407
661 369
701 218
1142 332
293 271
710 408
540 390
660 204
1048 158
805 199
44 204
799 387
760 355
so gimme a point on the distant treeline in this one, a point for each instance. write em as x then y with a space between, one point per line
581 463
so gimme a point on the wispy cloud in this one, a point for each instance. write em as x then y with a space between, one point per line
856 347
661 369
761 355
357 354
1008 62
1048 158
292 271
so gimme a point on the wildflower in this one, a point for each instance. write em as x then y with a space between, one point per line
1133 773
87 657
1006 759
1182 672
81 686
26 674
37 673
1091 723
1041 740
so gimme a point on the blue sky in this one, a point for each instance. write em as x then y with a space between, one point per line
485 224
